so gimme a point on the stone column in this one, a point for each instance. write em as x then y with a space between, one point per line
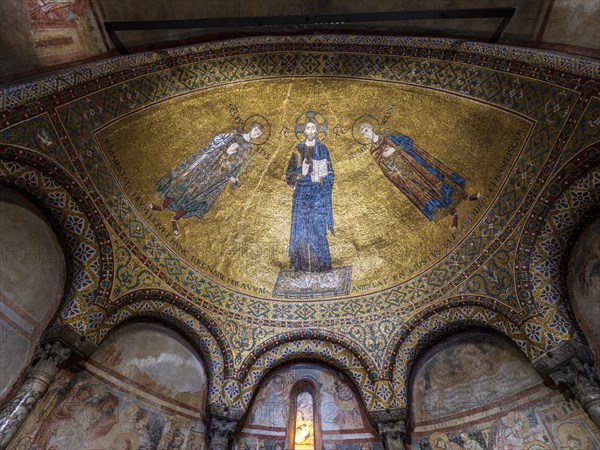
223 423
39 378
572 365
392 427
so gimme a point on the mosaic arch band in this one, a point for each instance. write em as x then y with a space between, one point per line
192 188
310 173
435 189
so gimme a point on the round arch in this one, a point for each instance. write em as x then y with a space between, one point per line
76 222
168 312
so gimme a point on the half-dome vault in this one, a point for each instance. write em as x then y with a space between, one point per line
346 199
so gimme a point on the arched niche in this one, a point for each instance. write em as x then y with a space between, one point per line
477 391
32 282
340 420
145 387
584 284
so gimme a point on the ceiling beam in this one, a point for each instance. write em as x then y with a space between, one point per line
311 20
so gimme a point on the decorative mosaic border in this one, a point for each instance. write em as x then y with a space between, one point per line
19 93
76 222
126 97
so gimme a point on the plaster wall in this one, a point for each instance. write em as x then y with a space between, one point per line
31 283
574 22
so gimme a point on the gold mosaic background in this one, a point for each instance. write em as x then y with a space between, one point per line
242 241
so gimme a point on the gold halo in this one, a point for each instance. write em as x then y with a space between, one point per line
435 437
257 118
302 119
358 122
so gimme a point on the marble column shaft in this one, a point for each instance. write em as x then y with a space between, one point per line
38 379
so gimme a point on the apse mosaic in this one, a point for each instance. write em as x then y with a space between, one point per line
309 188
348 199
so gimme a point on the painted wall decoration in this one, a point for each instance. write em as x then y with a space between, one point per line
142 389
65 31
475 372
506 406
45 33
330 409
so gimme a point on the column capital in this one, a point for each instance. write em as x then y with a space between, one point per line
221 432
67 336
562 355
391 424
572 365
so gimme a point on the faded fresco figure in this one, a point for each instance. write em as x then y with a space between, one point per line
431 186
191 188
468 442
439 441
310 173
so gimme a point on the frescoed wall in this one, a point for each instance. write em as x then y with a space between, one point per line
342 424
143 389
475 392
45 33
584 284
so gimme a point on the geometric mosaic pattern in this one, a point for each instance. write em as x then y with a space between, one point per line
78 226
513 284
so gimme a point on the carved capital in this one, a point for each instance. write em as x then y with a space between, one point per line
69 338
221 432
561 355
392 427
571 365
49 359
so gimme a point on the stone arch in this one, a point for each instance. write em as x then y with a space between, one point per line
288 382
404 329
32 283
334 354
434 325
567 202
166 308
77 223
